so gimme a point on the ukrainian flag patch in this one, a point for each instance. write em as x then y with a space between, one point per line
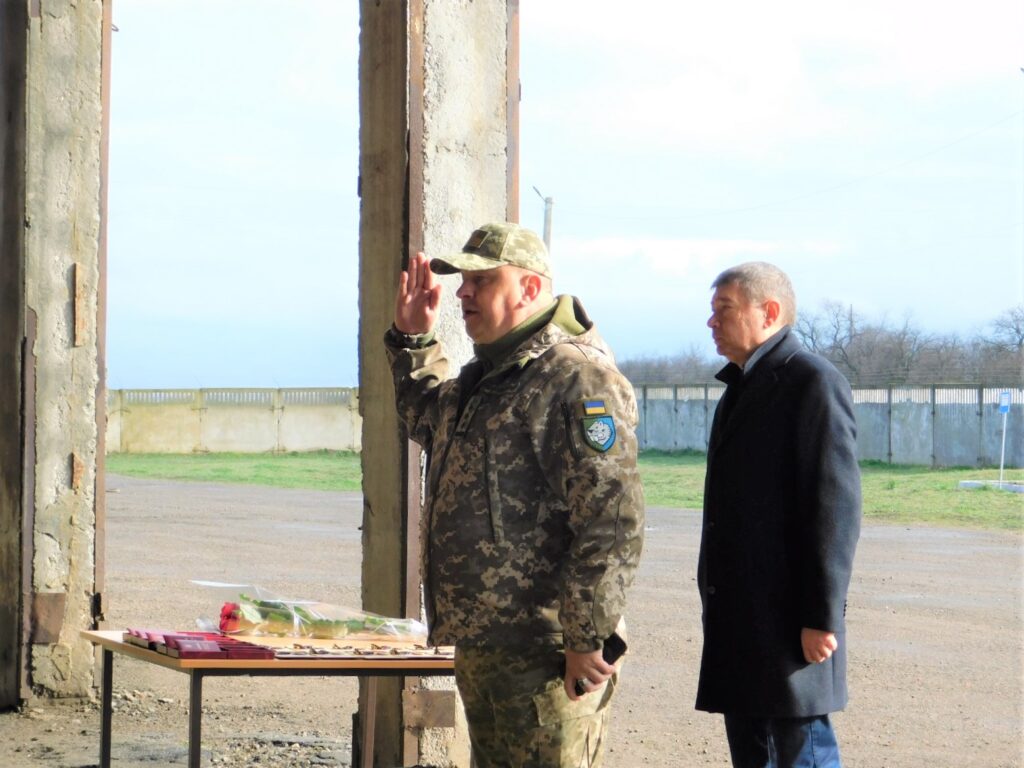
598 425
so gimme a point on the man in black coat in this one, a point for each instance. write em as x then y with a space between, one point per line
781 522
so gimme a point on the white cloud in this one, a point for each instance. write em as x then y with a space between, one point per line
750 77
648 281
912 41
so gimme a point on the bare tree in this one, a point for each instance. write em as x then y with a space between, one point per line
1000 351
947 360
1007 330
832 332
689 367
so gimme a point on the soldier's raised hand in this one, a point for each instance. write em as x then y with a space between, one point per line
419 296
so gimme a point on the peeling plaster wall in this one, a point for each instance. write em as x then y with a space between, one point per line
464 185
464 138
62 276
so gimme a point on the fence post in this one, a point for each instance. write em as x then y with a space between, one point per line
643 437
934 460
675 418
277 405
888 424
980 460
200 406
118 407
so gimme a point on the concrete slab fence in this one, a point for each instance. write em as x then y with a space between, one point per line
933 426
233 420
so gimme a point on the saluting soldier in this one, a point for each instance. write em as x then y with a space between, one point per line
533 524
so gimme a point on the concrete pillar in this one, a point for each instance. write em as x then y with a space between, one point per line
438 134
51 334
13 23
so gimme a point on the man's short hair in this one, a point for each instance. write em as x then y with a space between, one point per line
760 281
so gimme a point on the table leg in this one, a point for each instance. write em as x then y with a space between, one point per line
106 699
195 718
368 721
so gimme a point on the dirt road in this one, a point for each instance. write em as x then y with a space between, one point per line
935 630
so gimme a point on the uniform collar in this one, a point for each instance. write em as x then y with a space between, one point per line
564 318
492 354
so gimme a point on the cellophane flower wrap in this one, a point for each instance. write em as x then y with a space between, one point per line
252 610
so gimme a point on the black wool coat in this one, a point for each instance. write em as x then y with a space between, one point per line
781 521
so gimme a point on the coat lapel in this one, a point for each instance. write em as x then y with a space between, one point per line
732 377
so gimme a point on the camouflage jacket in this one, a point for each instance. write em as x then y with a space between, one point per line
533 523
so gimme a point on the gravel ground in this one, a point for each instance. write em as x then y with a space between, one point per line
935 630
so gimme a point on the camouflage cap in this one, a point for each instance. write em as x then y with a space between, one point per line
495 245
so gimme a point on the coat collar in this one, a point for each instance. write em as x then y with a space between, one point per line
755 388
733 374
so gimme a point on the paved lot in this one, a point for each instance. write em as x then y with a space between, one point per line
934 621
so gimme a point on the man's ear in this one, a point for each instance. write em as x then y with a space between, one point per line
772 311
531 285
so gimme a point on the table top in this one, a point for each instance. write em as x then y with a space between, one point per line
112 640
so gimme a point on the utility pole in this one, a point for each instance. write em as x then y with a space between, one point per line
549 203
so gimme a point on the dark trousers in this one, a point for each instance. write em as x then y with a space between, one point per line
782 742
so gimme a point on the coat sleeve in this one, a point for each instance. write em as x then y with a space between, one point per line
829 498
600 486
418 368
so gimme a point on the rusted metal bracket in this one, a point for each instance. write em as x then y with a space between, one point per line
81 305
47 616
429 708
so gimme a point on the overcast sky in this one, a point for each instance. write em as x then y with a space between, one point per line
874 151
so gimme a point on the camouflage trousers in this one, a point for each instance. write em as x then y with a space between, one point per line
519 715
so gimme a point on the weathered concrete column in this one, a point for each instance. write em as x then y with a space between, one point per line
53 278
13 47
437 158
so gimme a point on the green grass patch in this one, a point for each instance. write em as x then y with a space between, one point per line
924 495
315 470
673 479
894 494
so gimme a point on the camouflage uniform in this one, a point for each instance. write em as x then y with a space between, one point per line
531 722
534 518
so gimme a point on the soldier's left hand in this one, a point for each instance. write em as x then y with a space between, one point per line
418 297
585 666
